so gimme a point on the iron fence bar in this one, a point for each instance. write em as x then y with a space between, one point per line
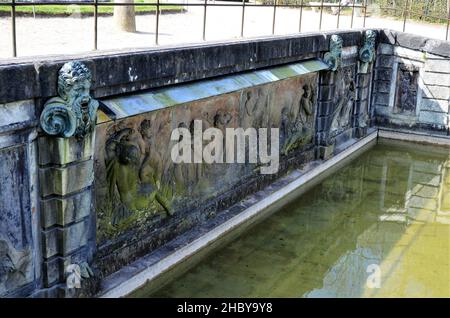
204 21
13 28
448 29
112 4
365 13
339 15
96 25
301 17
157 23
405 14
353 15
274 16
321 15
243 18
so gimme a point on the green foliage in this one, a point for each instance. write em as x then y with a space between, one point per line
62 10
426 10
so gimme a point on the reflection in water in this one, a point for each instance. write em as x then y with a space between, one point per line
389 208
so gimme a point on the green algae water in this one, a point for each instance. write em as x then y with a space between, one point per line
379 227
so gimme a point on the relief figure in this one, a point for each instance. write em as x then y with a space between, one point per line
132 175
301 130
344 104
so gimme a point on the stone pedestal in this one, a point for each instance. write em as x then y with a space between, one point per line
68 223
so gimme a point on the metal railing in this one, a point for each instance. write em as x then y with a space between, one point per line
300 5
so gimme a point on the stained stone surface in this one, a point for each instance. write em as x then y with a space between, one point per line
16 262
139 188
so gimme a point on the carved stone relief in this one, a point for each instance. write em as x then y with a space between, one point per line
343 102
73 112
136 179
407 86
16 264
292 110
134 172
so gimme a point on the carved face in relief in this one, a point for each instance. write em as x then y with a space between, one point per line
74 83
74 112
146 130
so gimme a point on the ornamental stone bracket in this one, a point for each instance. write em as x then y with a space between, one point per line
367 52
334 57
66 176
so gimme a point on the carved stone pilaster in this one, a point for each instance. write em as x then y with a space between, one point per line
66 179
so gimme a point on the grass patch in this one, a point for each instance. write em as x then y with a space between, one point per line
85 10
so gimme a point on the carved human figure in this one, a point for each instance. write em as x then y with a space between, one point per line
344 104
301 130
407 90
152 166
255 108
73 112
125 153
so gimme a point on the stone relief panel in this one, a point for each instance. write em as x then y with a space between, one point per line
16 265
406 89
343 101
293 111
138 183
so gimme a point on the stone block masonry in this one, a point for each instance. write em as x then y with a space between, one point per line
68 226
412 84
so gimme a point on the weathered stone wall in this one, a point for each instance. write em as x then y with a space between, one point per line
132 221
48 218
19 219
412 83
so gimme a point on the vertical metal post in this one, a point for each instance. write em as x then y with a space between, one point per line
405 13
13 28
204 21
243 18
157 24
339 15
365 13
353 15
448 25
321 15
301 17
448 28
95 24
274 15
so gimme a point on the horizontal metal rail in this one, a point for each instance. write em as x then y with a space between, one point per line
159 6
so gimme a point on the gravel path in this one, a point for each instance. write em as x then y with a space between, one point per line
73 34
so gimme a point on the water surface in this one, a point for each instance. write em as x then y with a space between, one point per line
378 227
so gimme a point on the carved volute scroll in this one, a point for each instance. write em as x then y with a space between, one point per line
73 112
334 56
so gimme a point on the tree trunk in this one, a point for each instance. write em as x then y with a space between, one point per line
124 16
